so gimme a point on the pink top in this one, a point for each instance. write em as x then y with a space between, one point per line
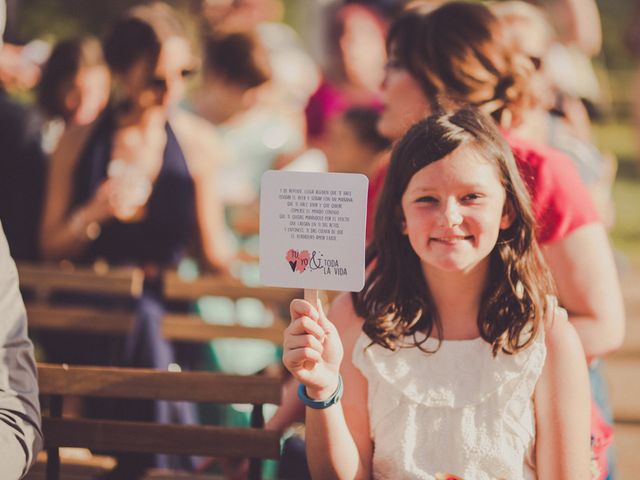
329 101
561 202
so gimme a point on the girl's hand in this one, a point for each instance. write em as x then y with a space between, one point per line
312 350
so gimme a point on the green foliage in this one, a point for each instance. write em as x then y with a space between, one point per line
626 231
54 19
616 16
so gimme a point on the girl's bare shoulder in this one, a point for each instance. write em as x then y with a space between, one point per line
561 339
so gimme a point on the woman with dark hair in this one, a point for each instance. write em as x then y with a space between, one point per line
137 187
60 89
143 141
456 362
74 86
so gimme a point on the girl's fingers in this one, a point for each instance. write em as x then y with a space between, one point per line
303 341
325 324
304 326
299 308
296 358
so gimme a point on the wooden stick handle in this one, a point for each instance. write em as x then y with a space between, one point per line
311 296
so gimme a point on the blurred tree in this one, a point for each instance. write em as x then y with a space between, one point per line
53 19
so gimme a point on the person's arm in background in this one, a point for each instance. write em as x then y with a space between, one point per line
290 411
20 435
580 24
576 247
64 234
585 274
201 148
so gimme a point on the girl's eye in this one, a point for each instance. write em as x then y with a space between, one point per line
427 199
472 197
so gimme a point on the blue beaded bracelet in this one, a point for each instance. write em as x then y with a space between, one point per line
320 404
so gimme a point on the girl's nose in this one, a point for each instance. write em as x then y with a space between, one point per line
450 215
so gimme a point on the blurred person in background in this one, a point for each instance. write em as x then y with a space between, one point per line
20 430
632 41
256 132
23 162
578 39
294 75
354 145
138 187
528 27
74 87
355 40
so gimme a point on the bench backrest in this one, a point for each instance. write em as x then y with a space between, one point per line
45 280
59 381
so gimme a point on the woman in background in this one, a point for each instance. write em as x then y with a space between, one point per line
137 187
73 88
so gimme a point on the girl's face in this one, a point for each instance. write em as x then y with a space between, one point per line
453 211
161 85
403 99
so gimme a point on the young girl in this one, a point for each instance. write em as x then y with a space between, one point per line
452 359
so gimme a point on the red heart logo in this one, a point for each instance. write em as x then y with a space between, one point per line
297 260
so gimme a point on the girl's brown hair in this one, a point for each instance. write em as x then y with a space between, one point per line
458 52
396 301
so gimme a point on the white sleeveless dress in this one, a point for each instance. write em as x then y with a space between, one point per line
459 411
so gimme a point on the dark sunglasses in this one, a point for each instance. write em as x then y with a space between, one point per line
159 83
536 61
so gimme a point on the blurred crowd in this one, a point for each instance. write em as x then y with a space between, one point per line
257 100
146 146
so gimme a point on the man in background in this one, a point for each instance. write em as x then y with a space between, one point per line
20 434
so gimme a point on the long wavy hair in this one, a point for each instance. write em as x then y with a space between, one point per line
458 52
396 301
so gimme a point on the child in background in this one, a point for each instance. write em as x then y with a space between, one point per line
454 360
355 146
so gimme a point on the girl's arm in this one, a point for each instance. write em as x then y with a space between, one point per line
65 234
585 274
338 441
562 406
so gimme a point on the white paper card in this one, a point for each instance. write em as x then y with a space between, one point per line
312 230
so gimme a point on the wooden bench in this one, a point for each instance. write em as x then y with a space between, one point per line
45 279
189 327
59 381
40 282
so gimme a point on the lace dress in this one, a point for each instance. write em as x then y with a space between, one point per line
459 411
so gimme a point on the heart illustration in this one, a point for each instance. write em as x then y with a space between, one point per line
297 260
303 261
